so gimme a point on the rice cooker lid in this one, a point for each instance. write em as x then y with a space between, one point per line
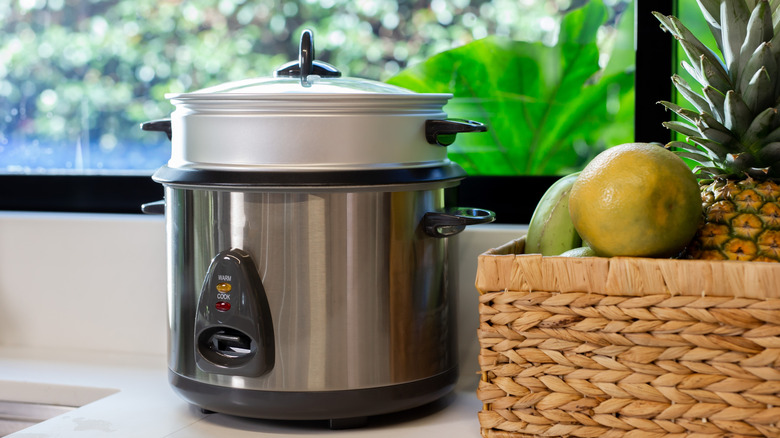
325 82
305 77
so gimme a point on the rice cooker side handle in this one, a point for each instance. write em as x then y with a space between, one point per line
453 221
162 125
156 207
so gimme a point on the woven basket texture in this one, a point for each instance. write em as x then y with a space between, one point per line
627 347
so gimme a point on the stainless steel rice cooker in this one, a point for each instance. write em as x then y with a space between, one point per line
307 235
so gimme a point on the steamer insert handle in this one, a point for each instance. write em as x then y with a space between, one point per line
443 132
233 327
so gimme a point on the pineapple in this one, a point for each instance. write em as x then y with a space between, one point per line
733 135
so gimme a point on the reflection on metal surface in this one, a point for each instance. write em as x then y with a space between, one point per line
357 291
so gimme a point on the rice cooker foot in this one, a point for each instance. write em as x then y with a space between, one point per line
348 423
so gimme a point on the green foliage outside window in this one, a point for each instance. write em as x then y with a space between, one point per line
550 109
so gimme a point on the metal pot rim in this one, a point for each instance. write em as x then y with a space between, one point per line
283 179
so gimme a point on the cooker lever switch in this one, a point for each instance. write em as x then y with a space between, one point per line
230 345
233 328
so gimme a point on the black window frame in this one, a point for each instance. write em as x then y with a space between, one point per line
512 198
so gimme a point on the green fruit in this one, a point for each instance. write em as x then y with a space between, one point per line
551 230
583 251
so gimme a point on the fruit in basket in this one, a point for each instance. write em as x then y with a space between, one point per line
583 251
551 231
733 130
636 199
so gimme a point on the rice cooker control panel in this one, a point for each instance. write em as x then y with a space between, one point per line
233 328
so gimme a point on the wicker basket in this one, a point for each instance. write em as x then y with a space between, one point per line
627 347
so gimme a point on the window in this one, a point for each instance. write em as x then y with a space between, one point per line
77 77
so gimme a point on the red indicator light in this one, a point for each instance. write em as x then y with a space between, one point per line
222 306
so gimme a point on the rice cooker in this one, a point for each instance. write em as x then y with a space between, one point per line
307 229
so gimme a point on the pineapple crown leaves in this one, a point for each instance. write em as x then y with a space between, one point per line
736 118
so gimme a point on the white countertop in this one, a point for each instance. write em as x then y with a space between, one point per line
135 400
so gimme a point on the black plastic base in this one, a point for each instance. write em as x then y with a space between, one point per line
344 408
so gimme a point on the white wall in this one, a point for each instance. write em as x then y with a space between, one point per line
98 282
95 282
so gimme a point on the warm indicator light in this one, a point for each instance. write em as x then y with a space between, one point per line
224 287
222 306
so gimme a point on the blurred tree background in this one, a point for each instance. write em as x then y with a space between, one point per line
78 76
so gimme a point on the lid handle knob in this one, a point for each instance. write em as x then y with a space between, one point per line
306 53
306 66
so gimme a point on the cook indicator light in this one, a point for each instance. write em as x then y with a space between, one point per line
222 306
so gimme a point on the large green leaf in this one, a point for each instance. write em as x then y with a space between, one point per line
549 109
